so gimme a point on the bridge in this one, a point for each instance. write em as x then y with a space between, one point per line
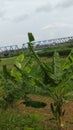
8 50
57 40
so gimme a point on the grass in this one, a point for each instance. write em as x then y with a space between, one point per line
14 120
11 60
7 61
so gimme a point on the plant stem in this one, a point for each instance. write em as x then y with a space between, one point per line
60 123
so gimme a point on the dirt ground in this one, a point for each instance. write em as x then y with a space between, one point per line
68 118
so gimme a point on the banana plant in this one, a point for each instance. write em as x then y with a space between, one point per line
8 86
22 74
59 81
18 81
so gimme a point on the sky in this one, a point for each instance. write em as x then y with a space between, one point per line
46 19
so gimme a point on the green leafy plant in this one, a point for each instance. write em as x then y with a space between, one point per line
8 89
21 73
58 81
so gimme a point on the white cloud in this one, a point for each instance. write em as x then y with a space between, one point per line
21 18
57 25
44 8
2 14
65 4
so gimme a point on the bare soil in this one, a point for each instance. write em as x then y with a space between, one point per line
46 112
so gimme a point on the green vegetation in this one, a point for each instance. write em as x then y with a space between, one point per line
62 48
13 120
60 78
7 61
29 74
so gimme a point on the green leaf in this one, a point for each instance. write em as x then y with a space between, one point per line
16 74
30 37
57 71
27 70
53 110
69 61
20 58
18 65
32 82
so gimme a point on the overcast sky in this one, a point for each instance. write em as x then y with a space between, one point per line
46 19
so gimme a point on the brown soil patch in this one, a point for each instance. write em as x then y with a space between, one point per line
68 118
